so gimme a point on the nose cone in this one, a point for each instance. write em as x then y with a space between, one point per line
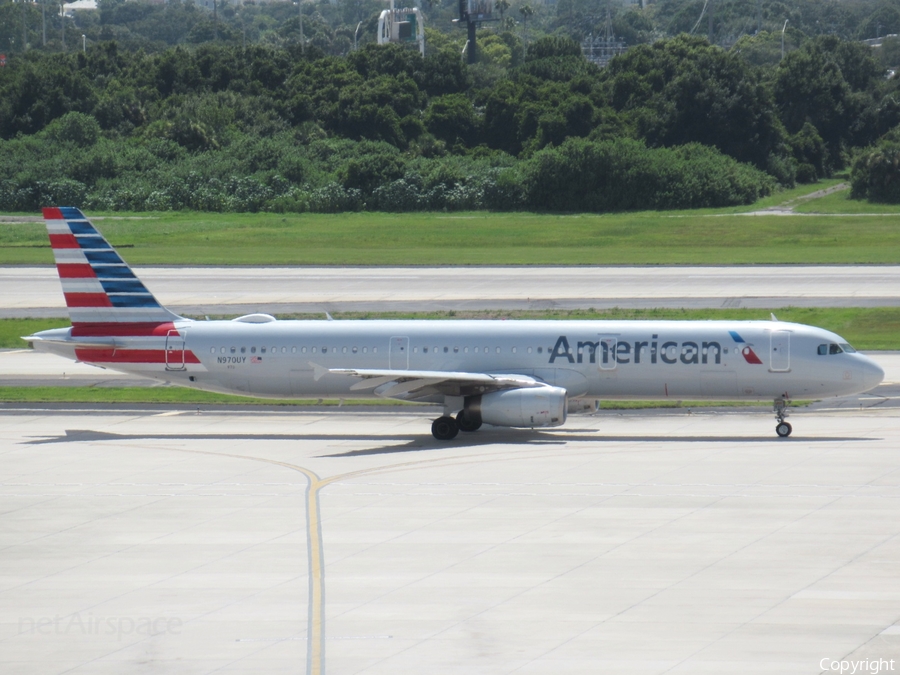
872 374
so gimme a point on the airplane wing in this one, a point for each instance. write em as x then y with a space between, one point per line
416 384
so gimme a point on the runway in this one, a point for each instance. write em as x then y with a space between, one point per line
35 291
626 543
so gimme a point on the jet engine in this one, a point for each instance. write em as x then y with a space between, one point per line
538 407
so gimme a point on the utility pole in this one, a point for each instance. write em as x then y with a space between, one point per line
302 41
24 28
44 22
215 22
710 19
62 16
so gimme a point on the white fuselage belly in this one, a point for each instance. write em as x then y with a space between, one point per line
602 359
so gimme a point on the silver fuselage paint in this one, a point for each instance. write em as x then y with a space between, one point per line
648 360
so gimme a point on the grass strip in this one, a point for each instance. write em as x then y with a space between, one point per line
160 394
706 236
193 397
867 328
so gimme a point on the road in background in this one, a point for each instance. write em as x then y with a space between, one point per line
36 292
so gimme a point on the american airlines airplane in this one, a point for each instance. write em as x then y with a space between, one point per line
503 373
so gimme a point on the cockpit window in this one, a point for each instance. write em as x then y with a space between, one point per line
823 350
847 348
834 349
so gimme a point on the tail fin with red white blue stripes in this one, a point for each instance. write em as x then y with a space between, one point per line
101 289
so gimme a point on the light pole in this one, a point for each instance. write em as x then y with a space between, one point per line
300 11
83 43
355 34
782 37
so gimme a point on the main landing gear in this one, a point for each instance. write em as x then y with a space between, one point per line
468 421
446 428
783 429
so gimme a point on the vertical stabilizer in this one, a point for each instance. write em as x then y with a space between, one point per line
100 288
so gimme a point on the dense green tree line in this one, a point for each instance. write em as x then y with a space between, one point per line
677 123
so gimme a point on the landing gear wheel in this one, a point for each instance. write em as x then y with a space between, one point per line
784 429
468 422
444 428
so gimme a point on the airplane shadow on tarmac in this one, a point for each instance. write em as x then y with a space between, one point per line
422 443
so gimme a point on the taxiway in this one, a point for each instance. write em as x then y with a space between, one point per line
35 291
268 542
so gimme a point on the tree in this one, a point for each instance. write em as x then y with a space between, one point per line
502 6
526 11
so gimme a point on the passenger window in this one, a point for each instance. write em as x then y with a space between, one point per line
355 350
466 350
541 349
529 350
284 349
456 350
513 350
374 350
834 349
222 350
324 350
823 350
365 350
344 350
252 350
446 349
233 350
424 350
243 350
302 349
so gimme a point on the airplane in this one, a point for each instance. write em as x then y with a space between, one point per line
527 374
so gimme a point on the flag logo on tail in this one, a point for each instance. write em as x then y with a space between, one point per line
99 287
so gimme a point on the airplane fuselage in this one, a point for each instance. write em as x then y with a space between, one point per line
716 360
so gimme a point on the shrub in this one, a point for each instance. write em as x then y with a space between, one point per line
624 174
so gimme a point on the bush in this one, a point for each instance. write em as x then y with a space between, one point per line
876 174
624 174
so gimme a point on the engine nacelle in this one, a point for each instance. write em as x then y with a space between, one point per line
537 407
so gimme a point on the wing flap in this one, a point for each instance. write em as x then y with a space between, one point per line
408 384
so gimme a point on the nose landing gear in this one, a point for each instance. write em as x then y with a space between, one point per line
783 429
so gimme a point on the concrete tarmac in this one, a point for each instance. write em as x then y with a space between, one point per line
35 291
255 542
